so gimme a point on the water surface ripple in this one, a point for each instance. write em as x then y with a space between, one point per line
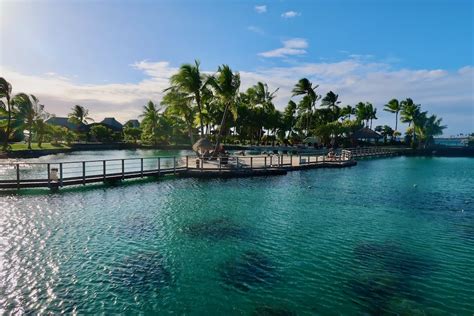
390 236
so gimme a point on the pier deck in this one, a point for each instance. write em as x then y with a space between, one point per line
18 175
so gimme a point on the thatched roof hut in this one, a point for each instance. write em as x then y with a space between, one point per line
202 145
366 133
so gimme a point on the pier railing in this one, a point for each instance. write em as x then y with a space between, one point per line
57 174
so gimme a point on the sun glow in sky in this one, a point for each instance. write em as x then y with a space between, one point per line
113 56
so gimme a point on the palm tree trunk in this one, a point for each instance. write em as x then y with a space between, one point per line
221 128
29 136
198 101
191 136
396 121
9 122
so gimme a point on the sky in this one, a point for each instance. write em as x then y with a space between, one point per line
112 56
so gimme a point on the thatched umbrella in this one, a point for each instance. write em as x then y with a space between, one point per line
203 144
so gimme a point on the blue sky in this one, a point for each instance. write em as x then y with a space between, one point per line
114 55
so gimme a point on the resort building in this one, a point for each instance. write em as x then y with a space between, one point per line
65 122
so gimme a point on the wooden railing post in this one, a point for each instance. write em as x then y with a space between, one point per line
265 163
61 174
141 167
291 160
187 162
104 169
83 173
123 169
174 165
237 162
251 162
220 164
159 165
18 176
49 174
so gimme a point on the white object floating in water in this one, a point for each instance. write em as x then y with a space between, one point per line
415 185
309 187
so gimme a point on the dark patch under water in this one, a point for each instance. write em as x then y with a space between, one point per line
272 311
385 275
142 273
138 226
248 270
217 230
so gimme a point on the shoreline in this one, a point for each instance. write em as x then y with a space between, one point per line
435 151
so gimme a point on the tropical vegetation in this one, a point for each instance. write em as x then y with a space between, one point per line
214 106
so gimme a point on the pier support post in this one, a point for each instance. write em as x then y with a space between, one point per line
104 169
18 176
123 169
83 173
159 166
60 174
49 175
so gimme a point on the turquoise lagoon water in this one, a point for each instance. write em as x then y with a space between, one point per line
389 236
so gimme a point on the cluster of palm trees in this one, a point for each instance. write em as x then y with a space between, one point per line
421 127
197 104
20 113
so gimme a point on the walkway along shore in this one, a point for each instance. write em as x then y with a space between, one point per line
55 175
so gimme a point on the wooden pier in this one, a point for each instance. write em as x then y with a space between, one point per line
54 175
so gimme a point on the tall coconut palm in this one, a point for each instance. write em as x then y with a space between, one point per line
347 111
226 85
29 111
305 87
372 112
79 115
260 99
5 92
178 104
151 118
362 113
189 80
393 106
409 114
432 127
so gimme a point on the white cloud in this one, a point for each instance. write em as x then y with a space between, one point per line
446 93
261 8
291 47
256 29
290 14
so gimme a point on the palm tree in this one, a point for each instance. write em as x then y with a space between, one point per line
409 114
305 87
29 111
5 92
178 104
190 81
260 99
79 115
347 111
432 127
362 113
393 106
150 122
226 85
371 112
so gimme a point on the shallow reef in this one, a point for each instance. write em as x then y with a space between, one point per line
218 229
247 271
385 275
272 311
141 273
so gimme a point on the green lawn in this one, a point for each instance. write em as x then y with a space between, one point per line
34 146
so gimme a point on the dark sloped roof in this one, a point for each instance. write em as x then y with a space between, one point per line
366 133
112 123
64 122
133 123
